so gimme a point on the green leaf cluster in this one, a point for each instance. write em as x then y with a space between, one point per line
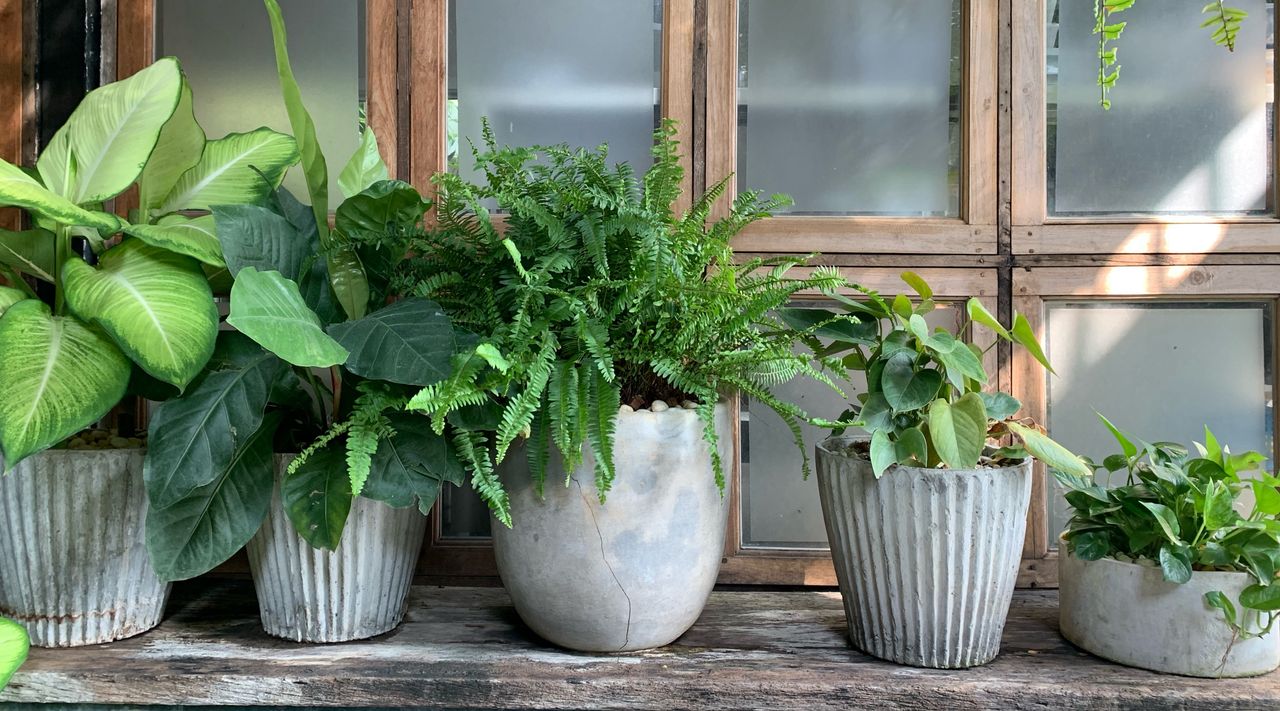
14 645
1181 511
927 402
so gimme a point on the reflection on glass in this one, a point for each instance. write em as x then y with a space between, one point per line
463 514
238 91
1188 131
851 106
581 72
779 508
1160 371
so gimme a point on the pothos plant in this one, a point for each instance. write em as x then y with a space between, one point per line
116 298
305 298
925 403
14 645
1180 511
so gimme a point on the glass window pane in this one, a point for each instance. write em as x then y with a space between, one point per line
1160 371
581 72
779 508
851 106
1188 131
463 514
238 91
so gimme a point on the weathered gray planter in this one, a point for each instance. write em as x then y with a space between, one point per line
73 558
634 572
926 559
1128 613
355 592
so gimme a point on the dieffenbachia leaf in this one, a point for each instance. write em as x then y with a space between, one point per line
317 497
14 645
365 168
178 149
231 171
192 236
59 375
269 309
156 304
30 252
18 189
410 342
8 297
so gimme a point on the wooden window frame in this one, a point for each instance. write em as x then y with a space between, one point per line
973 233
14 106
1034 288
1034 231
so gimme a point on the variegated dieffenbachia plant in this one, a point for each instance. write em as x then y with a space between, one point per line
14 645
123 299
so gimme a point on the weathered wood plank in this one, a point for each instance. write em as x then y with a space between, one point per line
465 648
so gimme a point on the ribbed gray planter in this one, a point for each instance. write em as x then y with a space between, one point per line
73 558
634 572
355 592
1128 613
926 558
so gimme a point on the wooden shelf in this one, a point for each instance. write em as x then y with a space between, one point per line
465 648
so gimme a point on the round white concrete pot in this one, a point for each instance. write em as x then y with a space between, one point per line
73 558
355 592
631 573
926 559
1128 613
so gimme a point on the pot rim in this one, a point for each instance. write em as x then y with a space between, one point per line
824 448
1155 569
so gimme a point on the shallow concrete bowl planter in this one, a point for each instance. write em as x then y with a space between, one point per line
926 559
1128 613
73 558
355 592
631 573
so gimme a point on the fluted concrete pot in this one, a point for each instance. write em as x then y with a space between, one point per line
355 592
631 573
1128 613
73 557
926 559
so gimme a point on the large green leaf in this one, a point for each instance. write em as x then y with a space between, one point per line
318 497
14 645
365 168
269 309
56 165
410 342
389 202
8 297
30 252
253 236
1026 337
21 190
958 430
58 376
179 148
157 305
239 168
979 314
193 438
1054 455
207 526
904 387
412 464
193 236
115 129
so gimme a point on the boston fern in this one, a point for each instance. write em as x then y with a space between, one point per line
590 294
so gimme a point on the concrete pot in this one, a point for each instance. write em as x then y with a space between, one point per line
1128 613
355 592
926 558
634 572
73 558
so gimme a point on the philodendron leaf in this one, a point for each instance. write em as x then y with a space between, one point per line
1167 520
911 445
1054 455
413 464
18 189
410 342
317 497
30 252
239 168
1175 563
365 168
918 284
203 529
58 375
269 309
1126 445
958 430
9 297
1218 509
882 452
179 147
1216 599
1261 597
979 314
1000 406
156 304
193 237
253 236
14 645
193 438
114 130
904 387
1025 337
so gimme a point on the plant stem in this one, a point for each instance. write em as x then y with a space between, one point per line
61 252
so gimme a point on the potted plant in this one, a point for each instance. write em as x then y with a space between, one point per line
926 518
1163 572
333 534
100 308
612 334
14 645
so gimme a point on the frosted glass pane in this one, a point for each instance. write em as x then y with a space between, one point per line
226 51
1161 371
582 72
780 509
850 106
1187 131
463 514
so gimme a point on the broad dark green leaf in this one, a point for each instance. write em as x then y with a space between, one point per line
1166 519
386 206
958 430
30 252
13 649
876 413
254 236
1091 545
905 388
911 445
825 324
410 342
1175 563
317 497
413 464
1261 597
1000 406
